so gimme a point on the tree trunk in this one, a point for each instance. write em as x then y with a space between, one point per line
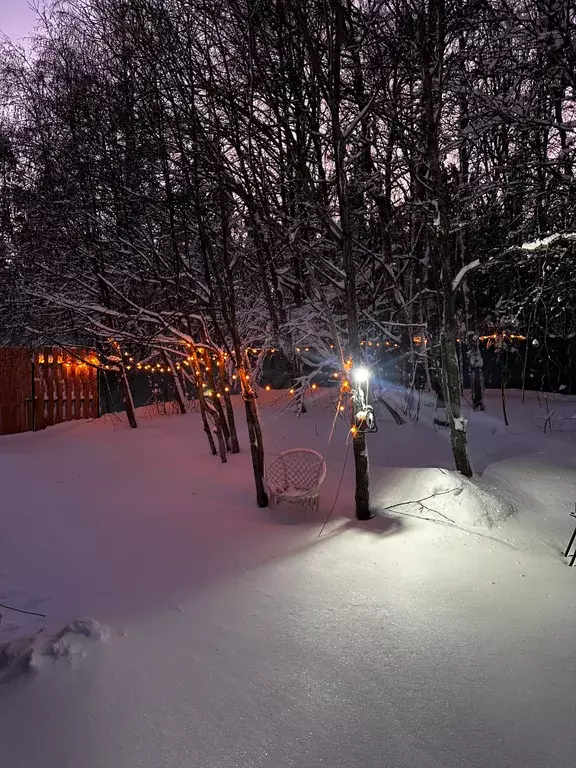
432 52
362 493
127 396
234 444
476 367
458 424
215 416
200 394
214 385
178 391
206 425
256 448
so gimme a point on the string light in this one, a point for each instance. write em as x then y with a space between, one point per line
503 336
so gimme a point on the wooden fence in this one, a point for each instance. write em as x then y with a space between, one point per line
44 387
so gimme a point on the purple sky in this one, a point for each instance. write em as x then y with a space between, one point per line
16 18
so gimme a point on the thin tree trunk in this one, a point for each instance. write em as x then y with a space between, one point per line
206 425
127 396
178 391
432 52
200 394
504 380
458 424
256 448
215 416
213 384
362 491
234 444
476 367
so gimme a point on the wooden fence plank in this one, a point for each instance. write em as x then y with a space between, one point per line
48 399
15 390
39 421
65 374
94 392
86 395
58 394
72 391
45 387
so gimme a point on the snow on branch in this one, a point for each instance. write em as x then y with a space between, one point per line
463 272
540 245
360 116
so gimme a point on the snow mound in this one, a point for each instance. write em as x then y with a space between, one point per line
29 654
445 496
482 507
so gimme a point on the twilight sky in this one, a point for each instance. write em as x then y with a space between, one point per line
16 18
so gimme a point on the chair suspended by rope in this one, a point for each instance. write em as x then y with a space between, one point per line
295 477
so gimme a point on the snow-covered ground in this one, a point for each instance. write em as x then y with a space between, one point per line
219 635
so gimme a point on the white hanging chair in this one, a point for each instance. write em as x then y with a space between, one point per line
295 476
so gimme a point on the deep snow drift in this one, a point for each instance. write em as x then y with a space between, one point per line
439 634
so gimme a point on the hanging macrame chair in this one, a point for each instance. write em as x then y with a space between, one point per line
295 476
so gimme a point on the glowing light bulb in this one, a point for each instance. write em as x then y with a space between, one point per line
361 375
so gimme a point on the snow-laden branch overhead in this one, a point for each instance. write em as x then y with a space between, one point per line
463 272
546 242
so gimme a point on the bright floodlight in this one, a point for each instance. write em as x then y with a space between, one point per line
361 374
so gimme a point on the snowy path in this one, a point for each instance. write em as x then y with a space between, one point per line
240 639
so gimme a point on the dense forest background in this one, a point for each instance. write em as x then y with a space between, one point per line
277 175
